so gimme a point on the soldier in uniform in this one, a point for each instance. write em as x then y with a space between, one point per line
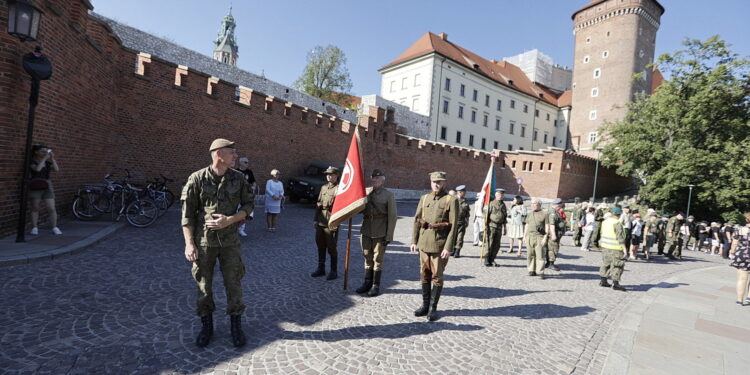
434 237
210 216
463 218
612 242
497 217
575 218
661 234
556 230
650 230
377 231
537 223
326 238
598 219
674 239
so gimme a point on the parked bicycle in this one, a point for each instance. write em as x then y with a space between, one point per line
120 199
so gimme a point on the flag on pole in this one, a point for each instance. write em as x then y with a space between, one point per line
351 196
488 187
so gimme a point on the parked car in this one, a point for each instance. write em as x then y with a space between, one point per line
308 186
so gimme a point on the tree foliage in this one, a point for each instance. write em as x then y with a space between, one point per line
695 129
326 75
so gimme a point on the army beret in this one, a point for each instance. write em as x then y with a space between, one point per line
616 210
437 176
460 187
665 215
377 173
557 201
220 143
332 170
500 190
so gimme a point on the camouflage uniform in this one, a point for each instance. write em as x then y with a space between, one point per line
553 245
497 217
463 221
575 219
661 235
613 262
535 241
674 238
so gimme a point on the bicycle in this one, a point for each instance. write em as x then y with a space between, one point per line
119 199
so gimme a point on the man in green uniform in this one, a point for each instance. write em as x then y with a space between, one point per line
651 232
598 218
210 216
463 218
377 231
326 238
497 216
556 230
661 233
537 223
575 219
434 237
612 243
674 238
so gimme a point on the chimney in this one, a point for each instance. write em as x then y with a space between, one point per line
443 36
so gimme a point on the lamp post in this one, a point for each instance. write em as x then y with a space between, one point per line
596 173
690 196
23 22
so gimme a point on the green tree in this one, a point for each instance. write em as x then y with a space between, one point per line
326 75
695 129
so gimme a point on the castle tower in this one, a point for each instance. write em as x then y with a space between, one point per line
614 39
226 44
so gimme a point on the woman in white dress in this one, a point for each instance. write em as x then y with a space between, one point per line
274 199
516 225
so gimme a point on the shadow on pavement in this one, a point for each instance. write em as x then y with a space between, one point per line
388 331
533 311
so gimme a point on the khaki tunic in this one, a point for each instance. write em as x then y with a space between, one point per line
535 257
436 208
325 204
380 215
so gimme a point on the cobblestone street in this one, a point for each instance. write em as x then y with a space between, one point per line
126 306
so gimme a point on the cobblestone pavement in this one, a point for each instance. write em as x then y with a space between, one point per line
127 306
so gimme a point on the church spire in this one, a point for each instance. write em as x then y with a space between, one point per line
226 43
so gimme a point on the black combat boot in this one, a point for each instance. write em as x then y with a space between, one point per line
457 253
334 268
204 337
616 286
433 316
238 337
422 311
321 270
367 284
603 282
553 266
375 291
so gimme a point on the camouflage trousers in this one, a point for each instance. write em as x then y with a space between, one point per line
553 248
535 257
674 246
460 233
373 250
612 264
431 267
232 270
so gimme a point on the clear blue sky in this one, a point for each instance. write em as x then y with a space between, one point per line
274 36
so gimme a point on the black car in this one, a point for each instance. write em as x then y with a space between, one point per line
308 186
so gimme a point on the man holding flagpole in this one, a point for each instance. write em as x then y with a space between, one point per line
434 237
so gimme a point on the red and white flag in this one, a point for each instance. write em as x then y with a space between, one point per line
488 187
351 196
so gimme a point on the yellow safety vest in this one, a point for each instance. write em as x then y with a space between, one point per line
608 239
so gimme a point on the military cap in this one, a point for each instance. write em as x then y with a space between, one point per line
499 190
616 210
332 170
460 187
665 215
691 217
377 173
557 201
220 143
437 176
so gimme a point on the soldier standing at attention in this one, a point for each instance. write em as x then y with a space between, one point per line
674 239
434 237
377 231
463 219
575 218
536 237
612 242
497 217
661 233
326 238
556 230
210 213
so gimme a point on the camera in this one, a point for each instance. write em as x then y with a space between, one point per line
540 229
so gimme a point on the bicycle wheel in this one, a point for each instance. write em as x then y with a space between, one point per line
83 207
170 197
102 202
141 213
161 202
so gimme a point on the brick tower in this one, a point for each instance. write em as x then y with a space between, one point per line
614 39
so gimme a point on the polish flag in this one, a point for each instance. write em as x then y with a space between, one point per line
351 196
487 193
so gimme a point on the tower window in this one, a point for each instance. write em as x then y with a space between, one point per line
594 92
592 137
443 132
588 39
597 72
586 59
592 115
605 54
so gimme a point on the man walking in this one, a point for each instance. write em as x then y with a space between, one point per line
537 224
434 237
325 238
612 243
556 230
209 225
661 233
463 219
497 217
575 219
674 239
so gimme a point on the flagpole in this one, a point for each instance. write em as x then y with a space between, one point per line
488 198
348 250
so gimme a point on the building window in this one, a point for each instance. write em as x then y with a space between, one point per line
520 148
588 39
499 105
549 166
415 104
586 59
594 92
512 127
474 95
497 125
417 79
403 83
473 116
510 148
458 137
512 104
525 108
523 130
597 72
605 54
592 115
443 132
548 117
484 123
535 135
393 86
460 111
494 145
445 106
554 141
486 100
484 143
545 137
471 140
593 136
447 84
536 113
462 90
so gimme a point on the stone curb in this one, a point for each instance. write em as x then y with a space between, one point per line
67 250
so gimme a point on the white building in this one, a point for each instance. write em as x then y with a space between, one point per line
474 102
541 69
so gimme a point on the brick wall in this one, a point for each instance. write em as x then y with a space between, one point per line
99 117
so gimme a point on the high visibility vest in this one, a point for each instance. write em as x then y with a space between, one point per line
608 238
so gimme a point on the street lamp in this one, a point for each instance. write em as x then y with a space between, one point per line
23 22
596 173
690 196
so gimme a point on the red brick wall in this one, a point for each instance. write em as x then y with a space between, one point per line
100 117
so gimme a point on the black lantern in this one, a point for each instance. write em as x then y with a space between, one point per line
23 19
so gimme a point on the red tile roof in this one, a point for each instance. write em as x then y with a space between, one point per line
597 2
565 99
502 72
656 80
